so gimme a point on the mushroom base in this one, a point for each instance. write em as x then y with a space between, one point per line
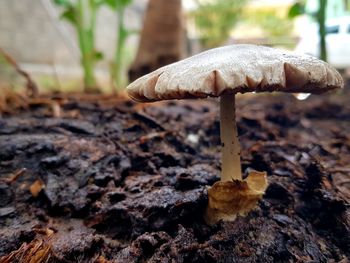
231 198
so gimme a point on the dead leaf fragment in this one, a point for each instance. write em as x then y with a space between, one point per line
227 200
102 259
36 251
36 187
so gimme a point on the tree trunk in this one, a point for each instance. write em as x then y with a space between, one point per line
162 39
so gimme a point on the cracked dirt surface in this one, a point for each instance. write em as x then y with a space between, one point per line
115 181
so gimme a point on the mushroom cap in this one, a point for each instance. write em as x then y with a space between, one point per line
236 69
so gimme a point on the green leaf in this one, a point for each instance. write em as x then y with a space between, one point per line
64 3
118 4
124 33
70 15
296 10
111 3
98 55
99 2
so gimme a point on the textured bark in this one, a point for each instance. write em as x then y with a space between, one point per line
162 38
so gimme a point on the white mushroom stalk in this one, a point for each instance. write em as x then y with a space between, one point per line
231 151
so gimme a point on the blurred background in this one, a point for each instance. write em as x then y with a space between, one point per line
100 45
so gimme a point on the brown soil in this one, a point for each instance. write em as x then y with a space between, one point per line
117 181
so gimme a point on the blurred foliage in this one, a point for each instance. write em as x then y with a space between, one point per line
117 75
298 8
215 19
321 20
82 15
270 21
117 4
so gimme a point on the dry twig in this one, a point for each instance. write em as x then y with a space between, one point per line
13 176
32 88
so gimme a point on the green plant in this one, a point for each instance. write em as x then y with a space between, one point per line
215 19
321 19
298 8
123 33
82 15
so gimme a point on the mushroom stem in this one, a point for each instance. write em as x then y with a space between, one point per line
230 152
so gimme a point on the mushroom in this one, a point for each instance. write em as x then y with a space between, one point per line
223 72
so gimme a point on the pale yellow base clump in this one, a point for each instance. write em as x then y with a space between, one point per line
229 199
